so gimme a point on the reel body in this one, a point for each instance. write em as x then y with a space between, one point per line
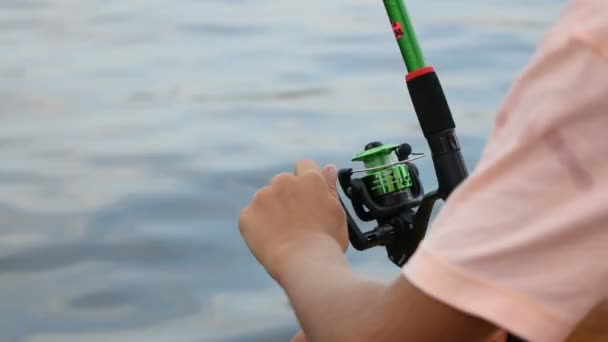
389 192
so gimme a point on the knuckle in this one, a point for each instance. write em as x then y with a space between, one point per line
314 178
261 194
304 162
281 180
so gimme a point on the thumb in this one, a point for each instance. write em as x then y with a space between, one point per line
330 173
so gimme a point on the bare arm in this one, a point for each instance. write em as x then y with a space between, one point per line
333 303
297 230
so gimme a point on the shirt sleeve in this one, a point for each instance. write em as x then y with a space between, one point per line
523 243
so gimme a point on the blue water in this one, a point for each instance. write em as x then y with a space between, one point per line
132 132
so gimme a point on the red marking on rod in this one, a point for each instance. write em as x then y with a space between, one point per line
398 29
419 72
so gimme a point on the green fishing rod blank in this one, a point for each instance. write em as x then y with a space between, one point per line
405 34
429 102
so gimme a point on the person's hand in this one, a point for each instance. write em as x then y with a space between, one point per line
293 212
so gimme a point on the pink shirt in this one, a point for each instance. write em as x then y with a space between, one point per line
523 243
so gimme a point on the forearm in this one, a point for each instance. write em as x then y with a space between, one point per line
331 301
296 228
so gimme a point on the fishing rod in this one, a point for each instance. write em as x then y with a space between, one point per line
388 190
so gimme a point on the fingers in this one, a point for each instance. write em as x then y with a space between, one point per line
299 337
304 166
280 179
330 173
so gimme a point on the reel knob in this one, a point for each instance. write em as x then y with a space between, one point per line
404 151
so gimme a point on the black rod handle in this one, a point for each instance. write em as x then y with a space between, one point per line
438 126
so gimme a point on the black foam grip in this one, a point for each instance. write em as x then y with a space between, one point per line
438 126
430 104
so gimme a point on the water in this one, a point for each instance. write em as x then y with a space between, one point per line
132 132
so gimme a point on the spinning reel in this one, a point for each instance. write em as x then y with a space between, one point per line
387 192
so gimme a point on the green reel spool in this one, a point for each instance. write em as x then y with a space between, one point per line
384 175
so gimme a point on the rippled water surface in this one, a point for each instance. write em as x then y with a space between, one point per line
132 132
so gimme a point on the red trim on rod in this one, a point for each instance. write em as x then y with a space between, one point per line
419 72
